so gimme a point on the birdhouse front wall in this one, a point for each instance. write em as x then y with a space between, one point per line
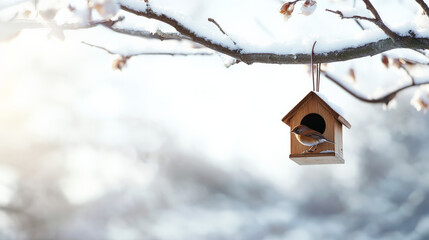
332 130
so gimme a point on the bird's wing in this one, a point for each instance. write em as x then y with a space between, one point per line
315 135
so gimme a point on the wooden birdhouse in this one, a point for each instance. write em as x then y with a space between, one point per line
318 115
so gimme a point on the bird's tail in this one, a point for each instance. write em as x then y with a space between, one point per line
330 142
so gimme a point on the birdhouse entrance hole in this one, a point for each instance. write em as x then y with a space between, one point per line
315 122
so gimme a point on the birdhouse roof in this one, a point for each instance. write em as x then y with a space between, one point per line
317 97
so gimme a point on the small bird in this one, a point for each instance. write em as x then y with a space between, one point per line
309 137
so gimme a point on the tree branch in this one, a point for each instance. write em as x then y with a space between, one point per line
220 28
369 49
383 99
424 6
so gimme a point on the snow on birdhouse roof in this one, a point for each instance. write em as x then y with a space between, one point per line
332 108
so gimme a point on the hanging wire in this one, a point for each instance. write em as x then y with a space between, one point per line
312 66
318 77
316 82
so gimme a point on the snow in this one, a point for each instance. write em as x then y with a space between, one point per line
8 3
334 106
106 8
308 9
137 5
420 75
421 22
268 32
207 30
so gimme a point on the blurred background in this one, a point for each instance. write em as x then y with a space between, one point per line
185 148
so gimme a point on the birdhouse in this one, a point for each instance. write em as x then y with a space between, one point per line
316 114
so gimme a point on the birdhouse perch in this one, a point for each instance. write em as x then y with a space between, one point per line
316 114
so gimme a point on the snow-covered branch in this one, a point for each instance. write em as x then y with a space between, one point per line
341 54
242 53
149 13
283 46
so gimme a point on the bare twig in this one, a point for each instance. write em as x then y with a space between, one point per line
351 17
376 20
403 63
220 29
379 22
357 21
100 47
160 35
355 17
383 99
424 6
150 53
217 25
359 24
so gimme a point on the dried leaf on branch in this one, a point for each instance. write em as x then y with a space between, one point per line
385 60
120 63
287 9
352 74
307 8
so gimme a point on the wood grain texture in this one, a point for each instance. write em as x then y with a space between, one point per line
317 158
344 121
